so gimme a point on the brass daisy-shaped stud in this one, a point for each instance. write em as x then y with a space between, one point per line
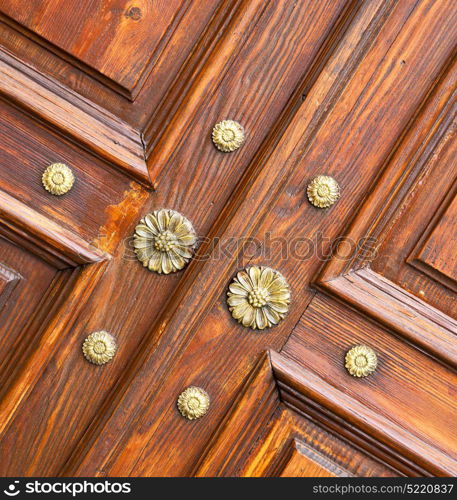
228 135
164 241
361 361
99 347
193 403
58 179
258 297
323 191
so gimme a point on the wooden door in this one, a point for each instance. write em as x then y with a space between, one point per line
127 95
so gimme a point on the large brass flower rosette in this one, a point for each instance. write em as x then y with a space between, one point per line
164 241
258 297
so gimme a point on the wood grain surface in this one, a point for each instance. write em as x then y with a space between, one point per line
127 96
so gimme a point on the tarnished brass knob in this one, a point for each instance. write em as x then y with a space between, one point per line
361 360
258 297
323 191
228 135
99 347
193 403
164 241
58 179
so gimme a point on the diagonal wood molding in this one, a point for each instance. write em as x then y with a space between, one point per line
352 280
44 237
144 152
92 126
8 281
292 459
277 380
367 429
108 437
419 323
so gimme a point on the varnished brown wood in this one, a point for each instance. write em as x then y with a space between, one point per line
89 124
427 327
125 39
258 434
436 255
361 91
400 412
302 461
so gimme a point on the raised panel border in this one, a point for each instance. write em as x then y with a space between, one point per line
278 380
418 257
107 436
352 280
396 308
81 267
71 114
44 237
298 451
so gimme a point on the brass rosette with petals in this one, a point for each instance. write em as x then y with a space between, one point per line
228 135
323 191
99 347
58 179
361 361
258 297
193 403
164 241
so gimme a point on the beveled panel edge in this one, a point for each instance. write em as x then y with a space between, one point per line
75 287
238 27
351 280
81 459
72 115
419 323
42 236
15 27
277 380
296 448
8 281
223 455
418 256
306 393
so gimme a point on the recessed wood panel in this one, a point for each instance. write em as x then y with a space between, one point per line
408 388
303 461
294 446
8 281
117 38
28 148
417 248
439 250
22 294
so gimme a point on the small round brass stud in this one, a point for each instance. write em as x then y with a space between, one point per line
323 191
164 241
258 297
193 403
228 135
99 347
361 361
58 179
